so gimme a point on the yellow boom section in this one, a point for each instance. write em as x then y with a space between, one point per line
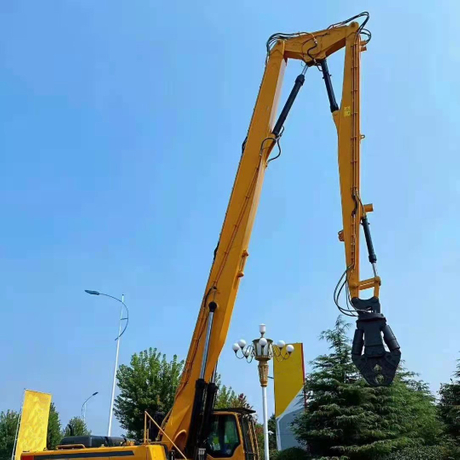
232 252
347 120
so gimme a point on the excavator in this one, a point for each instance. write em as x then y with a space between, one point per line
193 429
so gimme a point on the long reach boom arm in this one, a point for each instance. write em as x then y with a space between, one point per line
186 423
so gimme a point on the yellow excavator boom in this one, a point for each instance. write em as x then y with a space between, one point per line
232 251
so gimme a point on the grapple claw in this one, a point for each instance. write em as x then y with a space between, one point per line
378 371
377 365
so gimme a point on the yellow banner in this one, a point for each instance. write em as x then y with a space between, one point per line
34 423
288 378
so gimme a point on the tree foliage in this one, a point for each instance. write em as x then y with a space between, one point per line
76 427
272 432
271 437
420 453
241 401
293 453
149 384
54 435
225 397
449 406
347 418
8 425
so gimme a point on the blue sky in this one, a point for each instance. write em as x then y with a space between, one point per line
121 125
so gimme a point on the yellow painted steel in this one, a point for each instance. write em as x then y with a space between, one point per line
228 266
347 121
239 453
143 452
33 427
147 416
232 252
288 378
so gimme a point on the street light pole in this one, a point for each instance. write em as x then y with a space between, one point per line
83 407
266 433
263 350
114 383
121 331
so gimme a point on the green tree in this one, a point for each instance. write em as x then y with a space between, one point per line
241 401
149 384
76 427
421 453
8 426
228 398
293 453
449 411
271 437
449 406
272 432
54 429
347 418
225 397
259 428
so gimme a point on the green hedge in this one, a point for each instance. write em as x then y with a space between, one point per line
445 452
294 453
420 453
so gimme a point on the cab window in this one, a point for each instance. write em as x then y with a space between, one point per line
223 438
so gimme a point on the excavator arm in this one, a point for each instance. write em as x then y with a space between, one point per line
377 365
186 423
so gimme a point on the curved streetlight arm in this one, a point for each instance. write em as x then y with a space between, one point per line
127 312
118 300
87 399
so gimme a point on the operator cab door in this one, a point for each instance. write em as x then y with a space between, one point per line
225 439
249 437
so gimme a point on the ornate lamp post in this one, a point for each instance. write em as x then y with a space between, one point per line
263 350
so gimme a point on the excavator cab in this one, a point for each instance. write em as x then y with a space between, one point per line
232 435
